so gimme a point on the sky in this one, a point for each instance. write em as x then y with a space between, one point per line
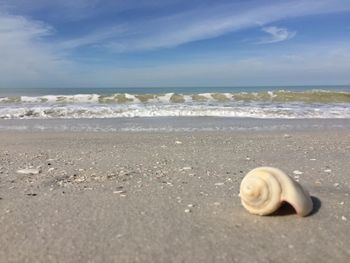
173 43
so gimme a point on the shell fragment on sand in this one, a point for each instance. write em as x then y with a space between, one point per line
297 172
264 189
28 171
119 192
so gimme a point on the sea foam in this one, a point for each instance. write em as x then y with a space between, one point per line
270 104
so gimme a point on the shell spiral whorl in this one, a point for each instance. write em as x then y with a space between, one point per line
260 192
264 189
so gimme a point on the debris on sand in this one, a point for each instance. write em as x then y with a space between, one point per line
297 172
119 192
29 171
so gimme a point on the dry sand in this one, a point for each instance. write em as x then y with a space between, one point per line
168 197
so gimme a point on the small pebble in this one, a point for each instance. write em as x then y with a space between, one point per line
344 218
219 184
178 142
190 205
187 210
336 184
327 170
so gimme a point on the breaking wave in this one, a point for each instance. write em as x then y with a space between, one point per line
312 96
269 104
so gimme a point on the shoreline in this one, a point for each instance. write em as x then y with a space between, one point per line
123 197
173 124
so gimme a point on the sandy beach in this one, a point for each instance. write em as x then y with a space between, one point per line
168 197
155 131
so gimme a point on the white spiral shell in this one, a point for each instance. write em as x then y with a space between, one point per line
264 189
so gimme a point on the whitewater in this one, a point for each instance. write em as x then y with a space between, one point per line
283 104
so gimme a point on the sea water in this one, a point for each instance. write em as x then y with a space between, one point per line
123 105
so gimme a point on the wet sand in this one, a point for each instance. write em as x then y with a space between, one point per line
168 197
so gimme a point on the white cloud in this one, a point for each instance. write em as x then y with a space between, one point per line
25 58
194 24
277 34
91 39
29 59
209 22
18 27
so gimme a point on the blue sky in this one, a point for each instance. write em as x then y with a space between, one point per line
136 43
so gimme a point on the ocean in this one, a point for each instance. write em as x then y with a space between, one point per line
169 108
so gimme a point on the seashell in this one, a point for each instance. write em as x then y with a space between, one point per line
264 189
29 171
